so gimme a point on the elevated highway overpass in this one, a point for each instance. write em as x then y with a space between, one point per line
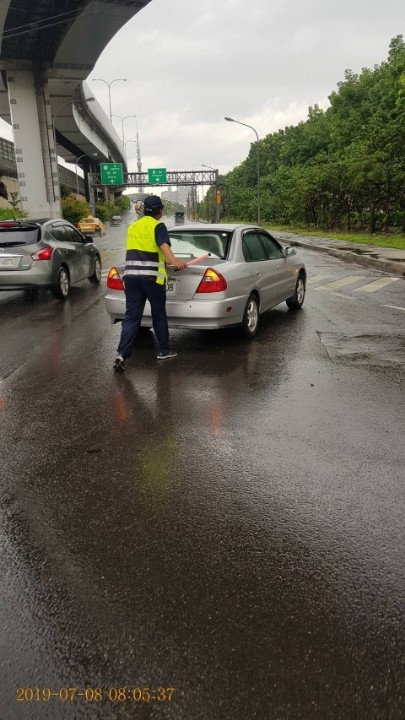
47 50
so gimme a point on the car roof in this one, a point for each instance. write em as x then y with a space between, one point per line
218 227
23 221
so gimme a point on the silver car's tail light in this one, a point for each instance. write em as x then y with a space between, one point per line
44 254
114 281
211 282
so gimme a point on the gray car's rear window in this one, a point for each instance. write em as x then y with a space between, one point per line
12 237
191 244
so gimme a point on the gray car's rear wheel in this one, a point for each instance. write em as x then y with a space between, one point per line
296 301
61 288
96 277
250 322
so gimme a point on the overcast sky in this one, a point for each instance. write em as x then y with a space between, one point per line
188 63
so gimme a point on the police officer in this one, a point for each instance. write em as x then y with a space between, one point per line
145 278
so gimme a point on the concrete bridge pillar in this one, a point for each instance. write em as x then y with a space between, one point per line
34 144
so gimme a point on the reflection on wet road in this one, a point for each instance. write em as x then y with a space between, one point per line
229 524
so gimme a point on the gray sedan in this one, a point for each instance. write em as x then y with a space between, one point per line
235 273
46 253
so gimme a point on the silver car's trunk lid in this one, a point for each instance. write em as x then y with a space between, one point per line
183 284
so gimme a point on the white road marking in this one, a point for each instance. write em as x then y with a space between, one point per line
395 307
341 283
315 278
341 295
376 285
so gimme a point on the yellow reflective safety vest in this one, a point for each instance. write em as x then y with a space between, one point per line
144 258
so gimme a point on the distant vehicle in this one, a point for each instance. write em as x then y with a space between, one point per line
179 218
138 209
116 220
39 254
244 273
92 225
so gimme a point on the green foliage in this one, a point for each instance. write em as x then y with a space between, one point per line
10 214
3 190
122 204
15 202
74 209
172 207
343 169
105 210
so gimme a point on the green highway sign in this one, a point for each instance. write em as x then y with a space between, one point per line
111 174
156 176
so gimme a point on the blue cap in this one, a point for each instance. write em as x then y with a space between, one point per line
152 204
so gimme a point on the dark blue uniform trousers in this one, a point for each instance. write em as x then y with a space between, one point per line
138 289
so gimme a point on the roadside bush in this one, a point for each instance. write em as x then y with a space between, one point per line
10 214
105 210
74 209
122 204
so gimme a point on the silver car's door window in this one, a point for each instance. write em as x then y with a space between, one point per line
67 253
252 248
82 251
57 232
260 267
272 249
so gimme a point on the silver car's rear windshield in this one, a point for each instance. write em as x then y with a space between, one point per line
190 244
14 236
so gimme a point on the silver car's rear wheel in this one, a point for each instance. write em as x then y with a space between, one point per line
250 322
61 289
296 301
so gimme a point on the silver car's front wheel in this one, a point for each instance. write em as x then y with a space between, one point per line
61 289
296 301
250 322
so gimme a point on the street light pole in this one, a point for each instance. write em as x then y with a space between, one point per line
76 163
129 141
122 124
71 102
216 190
229 119
109 89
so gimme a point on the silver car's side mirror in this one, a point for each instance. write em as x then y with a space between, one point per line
290 251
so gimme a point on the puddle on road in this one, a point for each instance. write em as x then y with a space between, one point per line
368 349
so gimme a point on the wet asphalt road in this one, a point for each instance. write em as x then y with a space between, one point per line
229 524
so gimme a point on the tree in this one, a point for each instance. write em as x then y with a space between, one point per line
74 209
3 190
343 167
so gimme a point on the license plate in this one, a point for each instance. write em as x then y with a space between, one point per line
171 288
9 262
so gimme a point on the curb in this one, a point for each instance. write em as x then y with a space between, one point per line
391 266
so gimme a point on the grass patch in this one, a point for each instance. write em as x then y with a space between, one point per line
383 240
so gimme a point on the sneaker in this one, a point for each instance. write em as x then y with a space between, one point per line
119 365
166 356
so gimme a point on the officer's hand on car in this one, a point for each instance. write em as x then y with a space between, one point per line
180 265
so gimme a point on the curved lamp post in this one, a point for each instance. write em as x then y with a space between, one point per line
76 163
216 190
229 119
71 102
109 88
127 142
122 124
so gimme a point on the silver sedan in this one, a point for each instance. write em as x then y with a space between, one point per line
234 274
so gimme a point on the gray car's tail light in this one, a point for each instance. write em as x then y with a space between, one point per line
44 254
